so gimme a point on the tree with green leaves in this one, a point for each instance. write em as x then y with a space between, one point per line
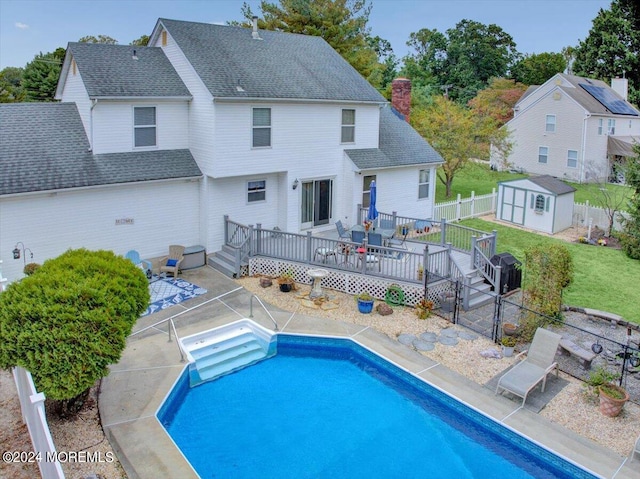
11 90
612 48
498 99
630 236
143 41
537 68
69 320
463 60
342 23
40 76
456 133
107 40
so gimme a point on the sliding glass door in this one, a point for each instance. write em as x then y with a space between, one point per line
317 200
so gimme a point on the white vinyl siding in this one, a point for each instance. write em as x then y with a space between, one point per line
423 184
144 126
550 124
572 158
348 126
543 154
261 128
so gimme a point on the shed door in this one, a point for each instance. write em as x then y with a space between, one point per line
513 202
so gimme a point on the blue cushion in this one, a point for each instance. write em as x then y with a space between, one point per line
172 262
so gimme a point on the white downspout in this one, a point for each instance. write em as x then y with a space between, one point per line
584 146
94 102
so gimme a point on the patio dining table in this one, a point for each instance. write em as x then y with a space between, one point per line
386 234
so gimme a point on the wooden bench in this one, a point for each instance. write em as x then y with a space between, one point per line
569 347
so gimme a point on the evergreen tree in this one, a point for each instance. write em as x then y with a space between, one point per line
40 77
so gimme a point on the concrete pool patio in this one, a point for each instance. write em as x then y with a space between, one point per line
132 393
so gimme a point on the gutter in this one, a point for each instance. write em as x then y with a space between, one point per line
296 100
141 98
94 102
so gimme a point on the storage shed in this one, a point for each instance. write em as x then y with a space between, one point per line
542 203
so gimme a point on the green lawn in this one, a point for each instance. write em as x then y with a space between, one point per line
604 278
479 178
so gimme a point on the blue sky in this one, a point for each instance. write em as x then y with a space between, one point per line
29 27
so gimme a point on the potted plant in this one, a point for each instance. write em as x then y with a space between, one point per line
510 329
30 268
423 308
365 302
612 399
508 343
285 280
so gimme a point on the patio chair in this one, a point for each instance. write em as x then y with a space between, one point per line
357 236
325 253
343 233
143 264
171 263
539 362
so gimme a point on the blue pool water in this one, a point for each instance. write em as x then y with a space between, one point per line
329 408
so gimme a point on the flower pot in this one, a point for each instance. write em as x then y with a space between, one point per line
286 287
610 406
507 351
510 329
364 306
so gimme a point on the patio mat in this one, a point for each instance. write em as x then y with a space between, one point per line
536 399
167 292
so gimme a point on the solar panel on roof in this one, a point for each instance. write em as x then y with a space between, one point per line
609 100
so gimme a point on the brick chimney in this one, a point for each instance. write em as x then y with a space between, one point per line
401 96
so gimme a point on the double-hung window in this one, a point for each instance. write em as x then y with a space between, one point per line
550 126
256 191
261 128
572 158
144 126
600 126
543 154
366 190
423 184
611 126
348 126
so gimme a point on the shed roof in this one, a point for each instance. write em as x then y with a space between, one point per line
549 183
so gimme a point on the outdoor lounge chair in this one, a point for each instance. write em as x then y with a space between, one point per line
143 264
343 233
539 362
171 263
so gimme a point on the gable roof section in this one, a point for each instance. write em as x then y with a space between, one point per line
43 147
547 182
110 71
400 145
278 66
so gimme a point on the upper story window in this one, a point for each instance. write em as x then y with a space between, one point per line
256 190
366 190
144 126
600 126
550 125
543 154
572 158
348 126
423 184
611 126
261 127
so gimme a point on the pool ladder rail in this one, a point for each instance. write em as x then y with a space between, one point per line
226 349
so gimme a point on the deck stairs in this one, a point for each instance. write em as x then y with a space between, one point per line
223 350
225 261
476 292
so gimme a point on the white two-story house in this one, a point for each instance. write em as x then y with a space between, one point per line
151 146
572 128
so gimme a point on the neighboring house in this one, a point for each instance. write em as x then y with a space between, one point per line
542 203
572 128
153 145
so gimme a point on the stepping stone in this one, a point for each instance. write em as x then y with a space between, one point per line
467 335
447 341
449 333
430 337
421 345
407 339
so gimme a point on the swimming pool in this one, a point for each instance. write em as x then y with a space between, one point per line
325 407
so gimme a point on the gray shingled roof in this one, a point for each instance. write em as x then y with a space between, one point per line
43 146
281 65
400 145
111 71
552 184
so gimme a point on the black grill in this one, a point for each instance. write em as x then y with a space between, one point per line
511 274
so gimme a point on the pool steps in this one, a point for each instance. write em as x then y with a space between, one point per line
226 349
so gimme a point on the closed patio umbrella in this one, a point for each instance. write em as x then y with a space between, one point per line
372 214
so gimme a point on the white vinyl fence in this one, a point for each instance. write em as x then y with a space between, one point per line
33 414
583 212
463 208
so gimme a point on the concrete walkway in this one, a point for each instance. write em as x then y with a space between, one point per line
135 388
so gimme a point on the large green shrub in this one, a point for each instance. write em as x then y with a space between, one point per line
630 235
69 320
